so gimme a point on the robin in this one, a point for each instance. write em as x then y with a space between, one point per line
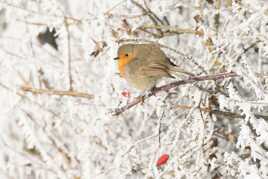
143 65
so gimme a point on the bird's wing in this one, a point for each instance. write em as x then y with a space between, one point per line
154 70
140 68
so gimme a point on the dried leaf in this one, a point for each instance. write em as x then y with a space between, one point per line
98 48
48 37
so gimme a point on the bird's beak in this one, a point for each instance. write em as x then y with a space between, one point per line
116 58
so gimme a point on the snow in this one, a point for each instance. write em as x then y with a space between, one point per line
47 135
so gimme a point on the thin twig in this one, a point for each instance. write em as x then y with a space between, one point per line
20 94
228 114
159 129
155 35
151 15
172 29
169 86
69 21
107 12
39 13
247 49
146 11
181 106
60 148
27 88
69 55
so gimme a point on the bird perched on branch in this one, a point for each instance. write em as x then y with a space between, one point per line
143 65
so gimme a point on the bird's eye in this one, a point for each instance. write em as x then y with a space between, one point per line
126 55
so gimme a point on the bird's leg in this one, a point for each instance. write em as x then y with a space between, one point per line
147 93
153 90
141 98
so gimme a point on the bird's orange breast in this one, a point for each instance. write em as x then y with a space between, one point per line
123 61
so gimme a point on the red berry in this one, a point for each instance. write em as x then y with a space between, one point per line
162 160
125 93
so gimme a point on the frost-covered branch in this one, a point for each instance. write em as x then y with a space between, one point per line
40 91
169 86
69 60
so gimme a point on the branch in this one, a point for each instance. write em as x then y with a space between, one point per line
69 55
27 88
156 20
39 13
230 115
172 29
188 107
169 86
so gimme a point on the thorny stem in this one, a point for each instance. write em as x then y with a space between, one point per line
169 86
